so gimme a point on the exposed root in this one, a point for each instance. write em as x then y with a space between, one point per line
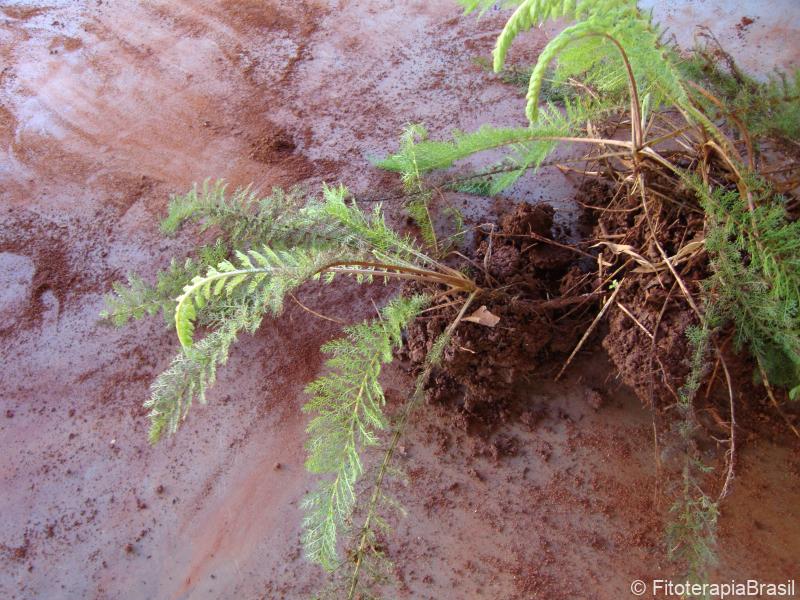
731 454
586 335
774 402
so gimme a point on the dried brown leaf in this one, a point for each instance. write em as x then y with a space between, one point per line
484 317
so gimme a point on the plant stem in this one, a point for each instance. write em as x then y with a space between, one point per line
400 272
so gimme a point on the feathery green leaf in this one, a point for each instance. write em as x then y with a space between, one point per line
347 404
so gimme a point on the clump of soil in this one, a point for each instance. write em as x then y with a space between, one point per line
273 145
523 268
742 25
545 290
646 332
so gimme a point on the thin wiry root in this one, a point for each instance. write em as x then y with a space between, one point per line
731 454
588 332
773 400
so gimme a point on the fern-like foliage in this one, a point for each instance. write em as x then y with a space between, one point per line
242 218
346 225
760 294
607 37
698 342
194 370
347 404
594 59
137 298
767 108
691 533
586 50
418 206
242 215
268 274
527 147
271 247
531 13
235 295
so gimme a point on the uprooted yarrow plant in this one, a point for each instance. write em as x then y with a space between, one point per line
693 252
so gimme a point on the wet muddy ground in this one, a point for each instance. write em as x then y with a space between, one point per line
108 107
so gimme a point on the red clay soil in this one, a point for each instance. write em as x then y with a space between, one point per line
108 107
482 367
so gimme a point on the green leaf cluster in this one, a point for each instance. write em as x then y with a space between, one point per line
755 259
585 49
194 370
347 404
527 148
267 248
588 51
691 533
137 298
768 108
268 274
242 216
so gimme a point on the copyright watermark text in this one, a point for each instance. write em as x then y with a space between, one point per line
666 588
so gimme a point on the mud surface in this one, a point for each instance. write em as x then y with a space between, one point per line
108 107
755 33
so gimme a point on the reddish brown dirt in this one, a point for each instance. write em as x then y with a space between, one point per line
560 501
656 370
108 107
523 271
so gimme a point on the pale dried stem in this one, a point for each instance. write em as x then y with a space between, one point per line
588 332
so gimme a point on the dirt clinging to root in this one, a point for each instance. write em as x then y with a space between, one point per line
546 291
524 268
